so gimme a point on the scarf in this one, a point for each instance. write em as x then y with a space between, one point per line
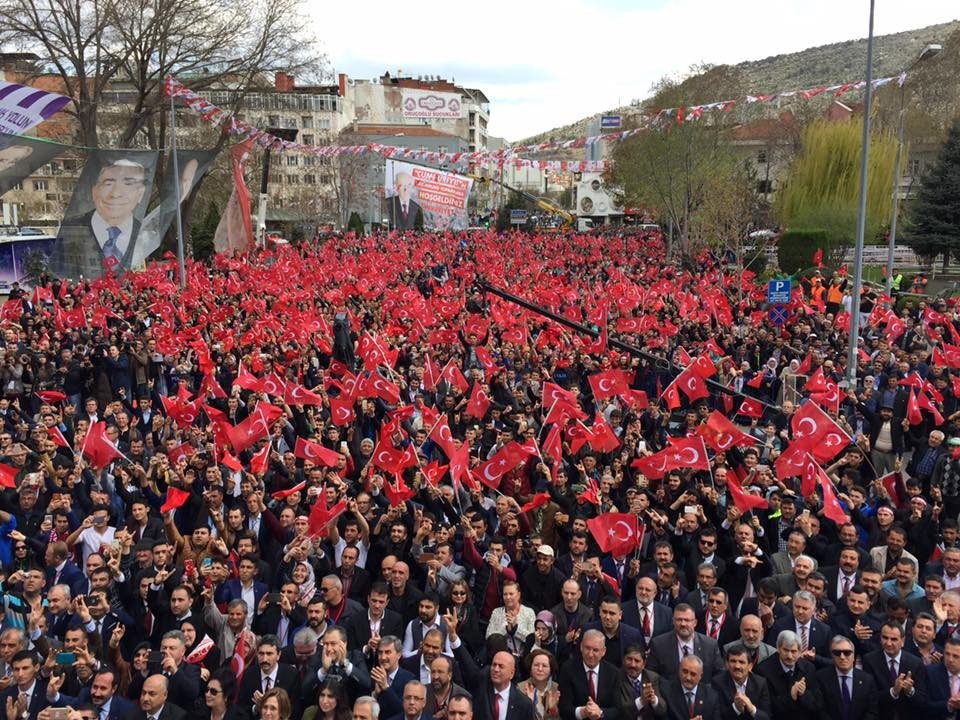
201 650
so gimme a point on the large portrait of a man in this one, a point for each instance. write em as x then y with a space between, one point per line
402 208
104 235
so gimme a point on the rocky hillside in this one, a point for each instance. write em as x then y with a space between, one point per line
809 68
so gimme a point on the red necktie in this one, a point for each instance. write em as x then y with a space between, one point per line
714 628
496 706
646 622
592 685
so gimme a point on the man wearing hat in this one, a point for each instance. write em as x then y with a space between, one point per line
541 582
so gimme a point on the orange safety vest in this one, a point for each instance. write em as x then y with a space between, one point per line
834 294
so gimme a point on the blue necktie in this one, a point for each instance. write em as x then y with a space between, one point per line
110 249
845 696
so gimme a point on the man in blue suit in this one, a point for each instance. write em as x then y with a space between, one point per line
943 683
61 570
814 635
101 694
28 691
389 679
233 589
618 635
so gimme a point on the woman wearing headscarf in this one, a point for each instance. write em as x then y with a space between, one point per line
202 649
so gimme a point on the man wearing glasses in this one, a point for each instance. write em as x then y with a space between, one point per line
106 235
848 693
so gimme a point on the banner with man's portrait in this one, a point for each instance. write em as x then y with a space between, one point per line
101 226
21 156
193 165
438 197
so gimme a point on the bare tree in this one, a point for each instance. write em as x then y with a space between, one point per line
93 45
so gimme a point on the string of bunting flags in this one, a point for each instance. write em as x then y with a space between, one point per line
214 115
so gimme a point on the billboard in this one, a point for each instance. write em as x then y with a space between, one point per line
21 156
440 197
193 165
431 104
18 255
102 224
23 107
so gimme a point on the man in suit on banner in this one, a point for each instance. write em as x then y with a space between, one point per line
107 234
401 207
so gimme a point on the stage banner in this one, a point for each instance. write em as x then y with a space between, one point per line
193 165
102 224
23 107
21 156
440 197
431 104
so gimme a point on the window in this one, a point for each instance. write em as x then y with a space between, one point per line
308 139
293 160
309 179
276 179
306 122
39 184
18 186
273 120
762 157
326 179
293 179
309 160
324 123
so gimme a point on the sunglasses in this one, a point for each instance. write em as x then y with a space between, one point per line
213 691
841 653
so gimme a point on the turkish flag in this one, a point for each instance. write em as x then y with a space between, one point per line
553 393
635 399
486 359
721 434
806 365
750 408
51 396
320 517
399 493
181 451
460 467
451 373
247 380
810 424
479 402
831 505
57 437
809 477
926 403
703 366
176 498
791 462
255 427
538 500
434 472
616 533
914 416
341 411
552 445
8 476
608 383
299 395
283 494
579 435
441 434
743 500
316 453
260 460
98 449
816 383
604 440
671 397
431 375
562 412
692 385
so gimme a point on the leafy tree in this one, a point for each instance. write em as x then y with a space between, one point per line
823 186
204 232
933 215
355 225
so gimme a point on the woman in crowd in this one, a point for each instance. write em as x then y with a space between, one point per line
540 685
217 702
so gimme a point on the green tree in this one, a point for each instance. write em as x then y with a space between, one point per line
355 224
203 233
823 185
933 215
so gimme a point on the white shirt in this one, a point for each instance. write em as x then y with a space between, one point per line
362 551
425 676
951 583
504 698
681 645
249 597
99 226
272 676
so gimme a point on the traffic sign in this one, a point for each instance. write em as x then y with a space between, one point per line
779 292
778 315
518 217
610 122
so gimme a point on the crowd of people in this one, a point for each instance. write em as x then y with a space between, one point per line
348 481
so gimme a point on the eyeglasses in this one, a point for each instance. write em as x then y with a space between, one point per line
841 653
213 691
457 593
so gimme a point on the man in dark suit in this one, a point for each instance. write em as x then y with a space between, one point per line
184 677
494 689
365 629
355 580
61 570
154 702
740 693
848 693
28 691
108 233
943 683
844 575
640 693
268 673
666 650
689 695
348 665
401 208
618 636
589 683
571 614
388 677
717 622
232 589
645 613
857 613
814 635
101 693
414 702
282 618
794 690
900 677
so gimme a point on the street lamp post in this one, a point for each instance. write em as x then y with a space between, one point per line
928 52
853 348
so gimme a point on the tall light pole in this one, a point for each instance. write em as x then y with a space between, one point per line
928 52
852 350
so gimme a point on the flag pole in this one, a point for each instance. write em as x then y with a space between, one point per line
176 190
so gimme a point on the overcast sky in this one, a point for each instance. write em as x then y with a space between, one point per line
545 64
